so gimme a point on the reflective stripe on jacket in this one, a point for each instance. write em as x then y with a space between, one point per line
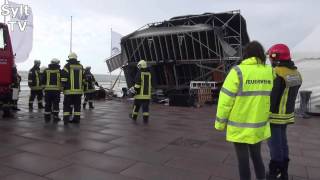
244 102
284 94
52 81
72 78
143 86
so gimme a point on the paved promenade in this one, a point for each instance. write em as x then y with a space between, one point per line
178 144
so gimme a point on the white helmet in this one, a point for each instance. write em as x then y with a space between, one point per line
55 61
73 56
142 64
42 69
37 62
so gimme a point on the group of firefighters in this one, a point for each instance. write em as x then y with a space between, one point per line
73 80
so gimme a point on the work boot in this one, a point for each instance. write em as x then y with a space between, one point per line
40 106
47 118
91 105
133 118
274 171
30 106
145 119
75 121
6 114
84 105
284 170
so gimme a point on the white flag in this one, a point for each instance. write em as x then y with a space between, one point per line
21 32
115 43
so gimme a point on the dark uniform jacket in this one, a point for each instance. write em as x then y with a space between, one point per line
284 94
34 79
90 82
143 85
72 78
51 78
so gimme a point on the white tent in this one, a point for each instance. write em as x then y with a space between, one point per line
309 47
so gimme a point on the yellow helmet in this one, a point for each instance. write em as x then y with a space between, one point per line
142 64
73 56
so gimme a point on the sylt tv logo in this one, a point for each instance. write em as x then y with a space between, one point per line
18 14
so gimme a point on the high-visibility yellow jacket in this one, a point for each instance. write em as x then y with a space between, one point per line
244 102
143 85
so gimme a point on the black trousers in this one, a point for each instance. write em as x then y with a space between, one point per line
145 108
6 103
88 97
33 95
243 151
75 101
52 100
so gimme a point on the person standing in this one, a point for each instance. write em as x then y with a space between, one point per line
89 88
52 88
243 109
15 88
283 97
142 91
34 82
72 83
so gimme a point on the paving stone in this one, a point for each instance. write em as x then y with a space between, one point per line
5 171
314 173
49 149
33 163
100 161
88 144
140 155
7 151
12 140
148 172
23 176
76 172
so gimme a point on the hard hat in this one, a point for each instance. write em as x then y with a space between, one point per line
88 67
55 61
142 64
279 52
73 56
42 69
37 61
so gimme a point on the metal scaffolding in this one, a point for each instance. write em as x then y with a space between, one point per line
187 48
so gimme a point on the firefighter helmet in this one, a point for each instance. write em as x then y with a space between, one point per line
55 61
142 64
279 52
42 69
88 68
73 56
37 62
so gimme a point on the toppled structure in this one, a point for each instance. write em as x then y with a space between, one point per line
184 49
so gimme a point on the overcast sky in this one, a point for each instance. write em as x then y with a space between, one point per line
273 21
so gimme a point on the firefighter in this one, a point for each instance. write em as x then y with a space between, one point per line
243 108
52 88
142 92
284 93
15 87
89 88
72 83
34 82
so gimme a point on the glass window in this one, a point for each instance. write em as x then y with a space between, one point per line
2 44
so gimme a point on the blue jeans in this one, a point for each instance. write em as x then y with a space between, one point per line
278 144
